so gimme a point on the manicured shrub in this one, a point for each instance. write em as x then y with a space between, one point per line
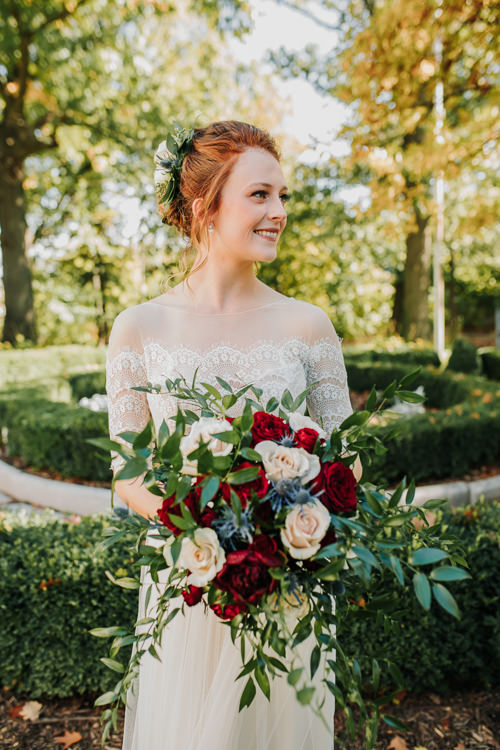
87 383
490 359
53 589
414 357
437 446
52 435
435 651
442 389
30 365
464 357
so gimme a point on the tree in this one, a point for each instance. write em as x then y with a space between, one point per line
74 72
386 67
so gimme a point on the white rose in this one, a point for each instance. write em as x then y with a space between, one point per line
281 462
202 556
305 527
203 431
298 421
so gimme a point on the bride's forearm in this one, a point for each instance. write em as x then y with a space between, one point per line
135 494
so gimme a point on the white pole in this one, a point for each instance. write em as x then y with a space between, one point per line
439 327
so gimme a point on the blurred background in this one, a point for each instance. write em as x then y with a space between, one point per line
388 118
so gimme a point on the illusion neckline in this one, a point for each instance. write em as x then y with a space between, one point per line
218 314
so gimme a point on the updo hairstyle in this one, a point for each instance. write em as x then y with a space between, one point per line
205 170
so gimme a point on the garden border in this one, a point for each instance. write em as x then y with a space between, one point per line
20 486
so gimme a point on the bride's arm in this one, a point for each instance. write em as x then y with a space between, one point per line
127 409
328 402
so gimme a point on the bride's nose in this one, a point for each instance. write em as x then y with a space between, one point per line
276 209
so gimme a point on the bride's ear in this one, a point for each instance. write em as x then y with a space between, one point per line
197 208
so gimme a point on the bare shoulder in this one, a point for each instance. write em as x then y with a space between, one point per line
313 321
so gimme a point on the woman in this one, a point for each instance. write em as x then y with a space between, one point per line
222 186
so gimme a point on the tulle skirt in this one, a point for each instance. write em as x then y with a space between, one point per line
189 700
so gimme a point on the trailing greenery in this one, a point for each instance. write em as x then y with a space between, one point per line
54 589
435 652
464 357
490 359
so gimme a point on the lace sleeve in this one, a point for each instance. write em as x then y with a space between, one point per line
125 368
328 402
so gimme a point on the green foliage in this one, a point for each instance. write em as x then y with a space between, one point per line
435 652
53 590
490 359
464 357
34 365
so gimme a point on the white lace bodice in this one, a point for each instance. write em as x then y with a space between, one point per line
285 344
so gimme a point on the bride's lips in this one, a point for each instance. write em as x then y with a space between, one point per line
271 235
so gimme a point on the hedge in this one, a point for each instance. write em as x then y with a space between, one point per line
30 365
490 359
442 389
52 435
87 383
435 651
415 357
53 589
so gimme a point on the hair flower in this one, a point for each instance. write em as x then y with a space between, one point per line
168 159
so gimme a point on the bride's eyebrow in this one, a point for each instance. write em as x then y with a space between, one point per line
267 185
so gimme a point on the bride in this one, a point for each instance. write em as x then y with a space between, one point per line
221 186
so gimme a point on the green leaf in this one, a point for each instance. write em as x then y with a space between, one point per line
103 700
250 454
372 399
356 418
373 503
224 384
422 590
435 503
248 694
305 695
143 438
449 573
294 676
314 661
263 682
365 555
427 555
133 468
411 397
108 632
104 443
410 378
116 666
411 492
243 475
209 490
445 600
395 723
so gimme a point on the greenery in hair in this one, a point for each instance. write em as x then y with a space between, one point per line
169 160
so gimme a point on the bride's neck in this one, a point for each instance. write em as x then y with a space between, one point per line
221 288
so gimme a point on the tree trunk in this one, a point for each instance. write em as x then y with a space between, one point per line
415 318
18 292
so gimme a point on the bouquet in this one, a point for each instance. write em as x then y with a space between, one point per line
262 522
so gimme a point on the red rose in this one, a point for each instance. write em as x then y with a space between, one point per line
259 485
192 595
228 611
306 438
339 485
207 517
246 572
268 427
169 512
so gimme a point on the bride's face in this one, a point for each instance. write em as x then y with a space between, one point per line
251 215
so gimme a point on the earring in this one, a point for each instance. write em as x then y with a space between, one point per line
211 228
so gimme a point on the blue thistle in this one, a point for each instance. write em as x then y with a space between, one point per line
232 531
290 492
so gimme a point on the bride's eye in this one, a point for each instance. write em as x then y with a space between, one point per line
260 193
285 197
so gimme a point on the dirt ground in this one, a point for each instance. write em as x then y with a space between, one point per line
465 721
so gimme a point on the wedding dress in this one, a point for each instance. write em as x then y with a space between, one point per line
189 700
